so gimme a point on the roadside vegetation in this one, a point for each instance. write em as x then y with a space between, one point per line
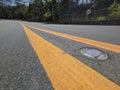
63 11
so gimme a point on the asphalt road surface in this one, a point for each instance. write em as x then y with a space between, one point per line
26 62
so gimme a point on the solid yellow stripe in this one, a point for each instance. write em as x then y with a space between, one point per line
107 46
64 71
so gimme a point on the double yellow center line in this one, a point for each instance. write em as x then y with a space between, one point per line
64 71
107 46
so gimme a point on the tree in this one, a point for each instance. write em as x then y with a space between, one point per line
100 4
36 10
114 10
21 12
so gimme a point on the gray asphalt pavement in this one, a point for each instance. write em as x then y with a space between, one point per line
20 68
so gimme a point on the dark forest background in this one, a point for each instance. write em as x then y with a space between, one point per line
62 11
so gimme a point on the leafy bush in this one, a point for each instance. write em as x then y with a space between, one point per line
114 11
47 14
101 18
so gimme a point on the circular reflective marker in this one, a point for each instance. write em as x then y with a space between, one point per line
94 53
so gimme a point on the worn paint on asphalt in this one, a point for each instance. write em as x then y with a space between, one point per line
64 71
107 46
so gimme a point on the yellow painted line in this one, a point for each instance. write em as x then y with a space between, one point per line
64 71
107 46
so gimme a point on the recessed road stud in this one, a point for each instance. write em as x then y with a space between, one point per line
94 53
